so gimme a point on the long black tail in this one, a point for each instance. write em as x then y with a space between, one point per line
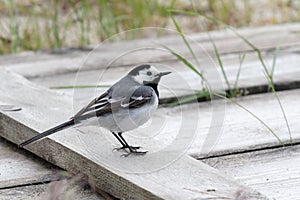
48 132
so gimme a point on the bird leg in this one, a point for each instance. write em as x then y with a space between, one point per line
125 146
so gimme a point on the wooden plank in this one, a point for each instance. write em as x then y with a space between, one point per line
66 61
20 168
24 176
55 190
287 72
239 131
153 176
242 132
274 172
251 139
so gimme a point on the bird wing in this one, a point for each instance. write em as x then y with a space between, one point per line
107 103
100 106
139 97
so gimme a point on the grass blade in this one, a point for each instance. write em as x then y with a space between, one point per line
251 113
236 89
221 66
241 60
274 63
55 27
188 99
184 38
282 110
13 26
79 86
184 61
269 77
254 48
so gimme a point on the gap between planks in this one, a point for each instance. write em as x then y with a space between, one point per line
251 80
25 176
274 172
55 190
20 168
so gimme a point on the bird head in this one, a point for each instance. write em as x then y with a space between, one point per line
146 74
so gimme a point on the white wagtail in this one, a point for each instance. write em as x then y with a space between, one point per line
125 106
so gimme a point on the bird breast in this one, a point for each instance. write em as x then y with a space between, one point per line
128 119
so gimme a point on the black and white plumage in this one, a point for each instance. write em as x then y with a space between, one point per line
128 104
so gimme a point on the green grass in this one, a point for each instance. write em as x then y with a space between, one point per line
189 99
186 62
34 25
72 23
55 26
271 74
13 27
184 39
79 86
231 93
236 91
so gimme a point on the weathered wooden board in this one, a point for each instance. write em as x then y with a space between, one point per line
251 76
273 172
25 176
141 51
234 138
180 178
54 190
20 168
242 132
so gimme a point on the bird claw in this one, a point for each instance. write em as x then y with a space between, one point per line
130 150
134 152
126 147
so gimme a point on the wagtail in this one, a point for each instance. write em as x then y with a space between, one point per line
125 106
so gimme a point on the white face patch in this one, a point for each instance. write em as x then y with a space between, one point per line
147 75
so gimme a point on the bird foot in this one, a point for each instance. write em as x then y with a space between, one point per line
130 150
134 152
126 147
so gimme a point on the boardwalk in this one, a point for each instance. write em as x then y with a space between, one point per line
244 161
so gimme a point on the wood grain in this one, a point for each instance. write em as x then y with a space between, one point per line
90 153
39 64
18 168
273 172
242 132
55 190
183 81
184 178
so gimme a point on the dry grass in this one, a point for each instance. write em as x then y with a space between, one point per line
41 24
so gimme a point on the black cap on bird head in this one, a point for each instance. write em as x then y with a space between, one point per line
146 74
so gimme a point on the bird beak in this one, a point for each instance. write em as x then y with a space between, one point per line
157 77
164 73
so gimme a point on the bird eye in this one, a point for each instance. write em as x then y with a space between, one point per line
149 73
